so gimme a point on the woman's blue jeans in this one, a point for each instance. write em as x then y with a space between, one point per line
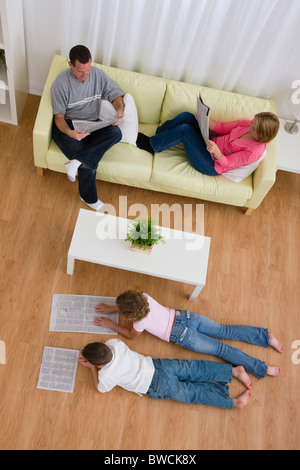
184 129
89 152
197 333
200 382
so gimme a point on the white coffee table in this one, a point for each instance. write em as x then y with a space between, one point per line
100 238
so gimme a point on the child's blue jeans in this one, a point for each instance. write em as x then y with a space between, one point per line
196 332
200 382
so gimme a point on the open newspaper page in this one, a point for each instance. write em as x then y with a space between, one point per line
91 126
58 369
203 118
76 314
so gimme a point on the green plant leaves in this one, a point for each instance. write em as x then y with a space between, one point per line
144 232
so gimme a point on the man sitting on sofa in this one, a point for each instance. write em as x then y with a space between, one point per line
76 94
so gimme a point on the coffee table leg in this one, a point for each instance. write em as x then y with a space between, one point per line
70 266
196 292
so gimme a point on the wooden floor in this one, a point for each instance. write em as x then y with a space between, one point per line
253 278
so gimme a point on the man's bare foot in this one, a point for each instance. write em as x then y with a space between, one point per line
240 374
274 371
242 400
275 343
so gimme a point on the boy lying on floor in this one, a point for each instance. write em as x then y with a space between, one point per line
201 382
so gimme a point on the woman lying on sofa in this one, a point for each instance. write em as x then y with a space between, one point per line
235 143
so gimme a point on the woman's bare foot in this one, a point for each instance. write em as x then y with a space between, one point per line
242 400
275 343
274 371
240 374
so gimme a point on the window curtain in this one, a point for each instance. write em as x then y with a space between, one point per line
247 46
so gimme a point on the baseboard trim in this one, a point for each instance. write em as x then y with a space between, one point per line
35 90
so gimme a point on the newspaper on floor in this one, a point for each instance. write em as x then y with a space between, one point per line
76 314
58 369
91 126
203 118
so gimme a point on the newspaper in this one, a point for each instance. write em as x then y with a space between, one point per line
58 369
76 314
91 126
203 118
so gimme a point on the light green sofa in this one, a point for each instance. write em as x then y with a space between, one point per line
157 100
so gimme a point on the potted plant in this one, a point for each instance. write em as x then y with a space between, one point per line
2 58
143 235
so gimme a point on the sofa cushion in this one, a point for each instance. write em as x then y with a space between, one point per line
172 169
239 174
126 161
130 125
148 92
121 161
179 97
224 106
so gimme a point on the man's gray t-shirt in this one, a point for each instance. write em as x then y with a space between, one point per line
76 100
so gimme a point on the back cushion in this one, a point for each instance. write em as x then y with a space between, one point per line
179 97
224 106
148 92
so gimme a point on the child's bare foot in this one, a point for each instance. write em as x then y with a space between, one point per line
274 371
242 400
240 374
275 343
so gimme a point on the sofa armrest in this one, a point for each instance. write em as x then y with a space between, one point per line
43 124
264 176
42 131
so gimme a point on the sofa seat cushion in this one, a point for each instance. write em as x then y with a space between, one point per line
127 162
121 161
172 169
55 158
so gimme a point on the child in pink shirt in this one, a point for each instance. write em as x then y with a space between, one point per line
190 330
159 321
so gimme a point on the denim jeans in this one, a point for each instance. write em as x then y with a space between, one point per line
89 152
184 129
200 382
197 333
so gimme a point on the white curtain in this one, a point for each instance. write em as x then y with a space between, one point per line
248 46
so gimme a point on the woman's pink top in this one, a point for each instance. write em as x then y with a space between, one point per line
158 322
236 152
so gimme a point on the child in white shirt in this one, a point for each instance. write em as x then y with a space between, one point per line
200 382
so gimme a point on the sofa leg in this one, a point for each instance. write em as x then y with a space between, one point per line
40 171
248 211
